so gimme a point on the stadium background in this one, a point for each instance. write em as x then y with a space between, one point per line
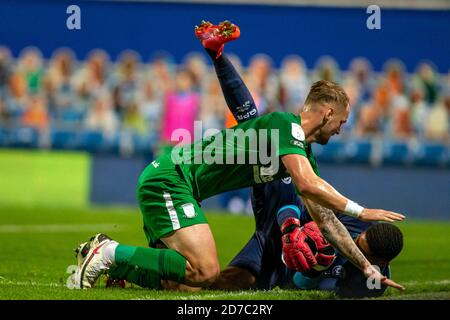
77 125
328 42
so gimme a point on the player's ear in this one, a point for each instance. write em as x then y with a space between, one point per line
328 114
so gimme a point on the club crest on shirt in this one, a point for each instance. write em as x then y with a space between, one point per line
338 272
189 210
297 132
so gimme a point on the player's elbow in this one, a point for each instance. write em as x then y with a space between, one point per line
306 187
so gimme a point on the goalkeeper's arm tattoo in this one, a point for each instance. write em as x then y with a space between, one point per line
336 234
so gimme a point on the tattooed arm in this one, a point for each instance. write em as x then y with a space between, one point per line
337 235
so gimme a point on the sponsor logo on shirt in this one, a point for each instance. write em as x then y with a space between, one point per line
297 143
264 174
155 164
297 132
286 180
246 115
244 107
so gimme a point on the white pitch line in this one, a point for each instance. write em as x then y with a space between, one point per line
204 296
30 283
434 282
55 228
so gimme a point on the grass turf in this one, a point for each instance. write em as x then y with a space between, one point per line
37 248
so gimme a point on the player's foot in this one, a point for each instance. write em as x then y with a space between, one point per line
213 37
92 262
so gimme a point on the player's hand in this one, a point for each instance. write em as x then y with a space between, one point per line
380 215
297 254
325 255
374 274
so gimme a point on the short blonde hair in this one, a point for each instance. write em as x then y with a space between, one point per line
327 92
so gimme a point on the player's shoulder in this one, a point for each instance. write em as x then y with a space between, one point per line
284 120
284 116
288 122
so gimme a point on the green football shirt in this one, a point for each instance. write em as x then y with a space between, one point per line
244 155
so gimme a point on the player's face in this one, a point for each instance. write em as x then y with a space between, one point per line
362 244
333 126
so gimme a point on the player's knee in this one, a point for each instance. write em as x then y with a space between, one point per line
209 275
203 274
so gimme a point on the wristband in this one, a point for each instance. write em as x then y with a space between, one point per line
353 209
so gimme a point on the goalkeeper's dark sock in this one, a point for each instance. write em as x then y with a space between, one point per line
236 93
147 266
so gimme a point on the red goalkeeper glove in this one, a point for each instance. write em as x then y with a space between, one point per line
297 255
323 251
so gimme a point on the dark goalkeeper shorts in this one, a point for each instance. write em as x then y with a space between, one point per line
166 200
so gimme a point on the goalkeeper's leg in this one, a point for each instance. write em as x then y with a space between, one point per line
238 97
236 93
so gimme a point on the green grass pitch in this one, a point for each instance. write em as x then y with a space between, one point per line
37 248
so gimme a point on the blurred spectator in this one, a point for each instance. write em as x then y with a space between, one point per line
360 70
36 115
83 97
181 106
373 117
369 121
30 66
264 81
294 82
57 84
438 122
351 87
94 74
401 124
327 69
127 81
17 96
213 106
395 76
419 110
427 78
195 63
151 107
102 117
161 73
133 120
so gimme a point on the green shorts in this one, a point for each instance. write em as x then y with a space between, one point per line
166 200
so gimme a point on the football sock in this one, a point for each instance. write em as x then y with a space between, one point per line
146 267
236 93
